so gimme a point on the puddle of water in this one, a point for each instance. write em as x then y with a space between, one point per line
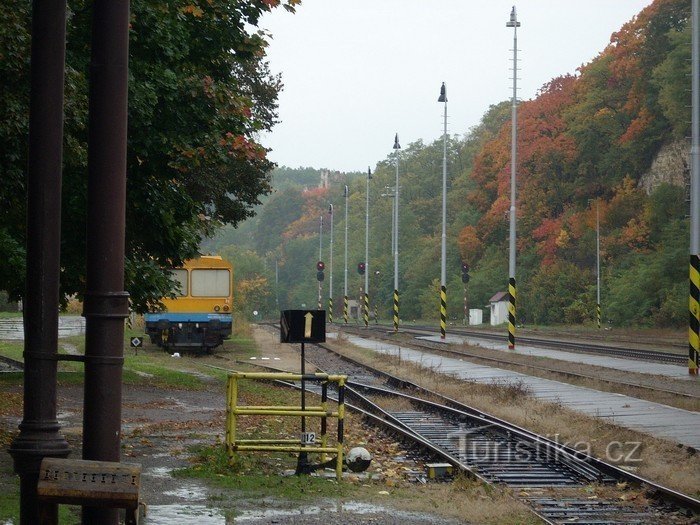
188 492
176 514
159 472
202 515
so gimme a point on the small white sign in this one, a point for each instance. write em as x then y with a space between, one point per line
308 438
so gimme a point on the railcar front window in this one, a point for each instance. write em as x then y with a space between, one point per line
181 277
211 283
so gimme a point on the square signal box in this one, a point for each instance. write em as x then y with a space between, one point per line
303 326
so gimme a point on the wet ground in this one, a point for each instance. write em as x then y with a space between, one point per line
160 426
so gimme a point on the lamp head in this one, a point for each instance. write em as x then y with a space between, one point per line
396 142
443 93
513 19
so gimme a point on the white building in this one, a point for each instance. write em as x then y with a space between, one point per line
499 308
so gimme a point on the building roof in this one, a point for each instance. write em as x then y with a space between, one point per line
500 296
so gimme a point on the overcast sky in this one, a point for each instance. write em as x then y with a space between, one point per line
357 71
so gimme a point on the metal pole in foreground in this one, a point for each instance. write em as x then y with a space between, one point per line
39 430
443 251
303 459
330 280
106 302
366 297
345 286
513 164
694 302
397 147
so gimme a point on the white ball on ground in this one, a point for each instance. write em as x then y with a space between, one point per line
358 459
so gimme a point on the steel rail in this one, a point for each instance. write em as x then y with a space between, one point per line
676 497
592 348
571 468
441 347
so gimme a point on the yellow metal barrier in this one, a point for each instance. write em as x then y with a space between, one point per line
234 445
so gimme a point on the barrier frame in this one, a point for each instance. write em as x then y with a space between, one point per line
233 411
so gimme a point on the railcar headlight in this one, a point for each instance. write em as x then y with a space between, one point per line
226 308
217 308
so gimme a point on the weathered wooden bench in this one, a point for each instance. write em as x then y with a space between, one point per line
91 484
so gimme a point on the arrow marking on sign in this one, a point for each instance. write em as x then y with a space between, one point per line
308 319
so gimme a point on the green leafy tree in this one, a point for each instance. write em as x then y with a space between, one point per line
200 90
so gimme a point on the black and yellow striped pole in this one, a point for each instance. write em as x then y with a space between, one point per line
511 313
396 310
694 303
513 22
597 313
443 243
397 147
443 311
330 271
694 317
366 310
345 309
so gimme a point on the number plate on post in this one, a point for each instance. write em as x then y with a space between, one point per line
308 438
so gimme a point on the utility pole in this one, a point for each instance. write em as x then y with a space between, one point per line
443 251
345 286
366 295
330 280
397 147
513 22
694 326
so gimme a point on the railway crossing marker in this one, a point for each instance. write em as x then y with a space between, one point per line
136 343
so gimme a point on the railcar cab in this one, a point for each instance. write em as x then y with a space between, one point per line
199 317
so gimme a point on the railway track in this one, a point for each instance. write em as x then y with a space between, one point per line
498 361
571 346
553 479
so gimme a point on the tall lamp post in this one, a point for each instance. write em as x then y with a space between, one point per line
330 279
397 147
513 22
345 271
366 296
443 252
694 303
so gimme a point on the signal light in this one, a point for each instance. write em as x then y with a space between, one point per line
465 272
361 267
320 266
319 276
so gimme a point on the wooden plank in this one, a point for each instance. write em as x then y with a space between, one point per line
90 483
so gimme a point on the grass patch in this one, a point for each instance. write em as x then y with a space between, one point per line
257 476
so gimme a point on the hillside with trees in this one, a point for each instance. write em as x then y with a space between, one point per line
609 139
